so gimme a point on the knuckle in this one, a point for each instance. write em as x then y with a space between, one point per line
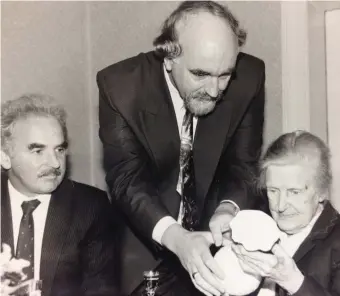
208 261
267 269
263 274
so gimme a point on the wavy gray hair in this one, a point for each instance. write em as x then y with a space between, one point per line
304 146
24 106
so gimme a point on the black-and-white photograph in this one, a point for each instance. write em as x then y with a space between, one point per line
170 148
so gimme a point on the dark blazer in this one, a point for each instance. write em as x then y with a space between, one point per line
78 248
141 143
318 258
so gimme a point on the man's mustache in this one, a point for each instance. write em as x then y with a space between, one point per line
206 97
51 172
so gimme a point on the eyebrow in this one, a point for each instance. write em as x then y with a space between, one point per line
63 145
290 188
202 72
36 146
271 187
300 188
41 146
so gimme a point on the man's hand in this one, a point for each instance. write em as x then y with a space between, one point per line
219 222
192 249
5 256
279 266
9 265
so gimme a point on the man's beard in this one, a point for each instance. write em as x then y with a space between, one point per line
201 104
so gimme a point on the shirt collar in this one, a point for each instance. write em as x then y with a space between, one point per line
19 198
175 95
306 230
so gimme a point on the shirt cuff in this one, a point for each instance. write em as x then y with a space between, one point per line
295 284
161 226
233 203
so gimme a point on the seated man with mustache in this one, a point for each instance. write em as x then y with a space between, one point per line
60 227
306 261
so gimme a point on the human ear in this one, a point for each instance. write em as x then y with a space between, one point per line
5 160
168 64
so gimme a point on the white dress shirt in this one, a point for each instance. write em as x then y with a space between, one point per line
290 244
179 107
39 218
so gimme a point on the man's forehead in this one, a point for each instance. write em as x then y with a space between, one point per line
39 130
211 60
209 47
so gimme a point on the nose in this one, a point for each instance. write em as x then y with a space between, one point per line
282 204
53 160
212 88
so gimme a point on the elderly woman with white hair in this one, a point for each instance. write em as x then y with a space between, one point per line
306 261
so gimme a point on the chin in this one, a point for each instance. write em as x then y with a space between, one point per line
201 109
287 227
49 186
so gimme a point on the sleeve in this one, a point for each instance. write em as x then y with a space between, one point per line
127 165
99 253
311 287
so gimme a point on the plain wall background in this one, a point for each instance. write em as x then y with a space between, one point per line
333 92
43 49
58 47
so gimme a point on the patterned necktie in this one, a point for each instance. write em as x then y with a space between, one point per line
187 177
25 246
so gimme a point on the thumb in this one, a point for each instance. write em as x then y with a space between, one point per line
23 263
227 240
6 248
216 233
6 254
279 251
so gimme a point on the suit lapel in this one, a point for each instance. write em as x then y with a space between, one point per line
322 228
320 231
305 247
6 215
212 130
56 230
159 125
158 121
208 144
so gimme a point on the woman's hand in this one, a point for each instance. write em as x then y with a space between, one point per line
278 266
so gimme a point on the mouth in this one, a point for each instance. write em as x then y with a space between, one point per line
49 177
208 99
287 216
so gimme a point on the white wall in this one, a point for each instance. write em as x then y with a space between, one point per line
333 95
306 102
43 49
57 48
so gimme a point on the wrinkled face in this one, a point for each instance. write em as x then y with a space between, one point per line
291 191
203 70
36 160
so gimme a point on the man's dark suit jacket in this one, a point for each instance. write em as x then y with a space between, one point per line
318 258
78 249
141 143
